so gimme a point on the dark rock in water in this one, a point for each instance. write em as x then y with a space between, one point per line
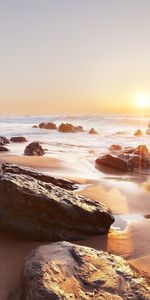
18 139
41 125
34 126
3 149
35 210
67 127
127 160
92 131
116 147
67 271
138 132
114 162
48 125
4 140
34 148
141 150
15 169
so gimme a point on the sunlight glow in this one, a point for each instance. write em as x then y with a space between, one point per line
142 102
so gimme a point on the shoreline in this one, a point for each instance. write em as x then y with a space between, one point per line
132 243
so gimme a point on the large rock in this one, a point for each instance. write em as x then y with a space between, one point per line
18 139
3 149
64 271
92 131
114 162
4 140
16 169
127 160
138 132
49 125
34 148
67 127
41 211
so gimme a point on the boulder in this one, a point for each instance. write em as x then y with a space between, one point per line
92 131
141 150
34 126
4 140
35 210
65 271
138 132
18 139
16 169
114 162
66 127
48 125
3 149
34 148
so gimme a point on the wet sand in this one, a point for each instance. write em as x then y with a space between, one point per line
131 241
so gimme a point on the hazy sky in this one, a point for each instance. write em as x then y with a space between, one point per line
76 56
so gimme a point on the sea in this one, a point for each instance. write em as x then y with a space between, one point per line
76 148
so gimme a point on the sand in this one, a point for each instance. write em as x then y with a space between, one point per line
126 197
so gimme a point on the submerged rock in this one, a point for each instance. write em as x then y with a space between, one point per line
3 149
92 131
65 271
116 147
18 139
4 140
34 148
138 132
36 210
16 169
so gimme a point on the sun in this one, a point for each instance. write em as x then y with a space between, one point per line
142 102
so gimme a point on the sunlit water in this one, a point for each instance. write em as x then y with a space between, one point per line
80 147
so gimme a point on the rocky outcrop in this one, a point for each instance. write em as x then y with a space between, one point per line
34 148
36 210
16 169
18 139
92 131
4 140
3 149
64 271
127 160
67 127
49 125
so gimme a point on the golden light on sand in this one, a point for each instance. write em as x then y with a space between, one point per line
142 102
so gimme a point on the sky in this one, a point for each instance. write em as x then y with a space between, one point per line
74 56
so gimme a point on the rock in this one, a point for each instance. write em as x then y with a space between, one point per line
65 271
3 149
128 160
138 132
67 127
34 126
116 147
35 210
92 131
48 125
141 150
34 148
18 139
114 162
16 169
4 140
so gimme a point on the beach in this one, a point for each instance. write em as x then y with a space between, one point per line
127 195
